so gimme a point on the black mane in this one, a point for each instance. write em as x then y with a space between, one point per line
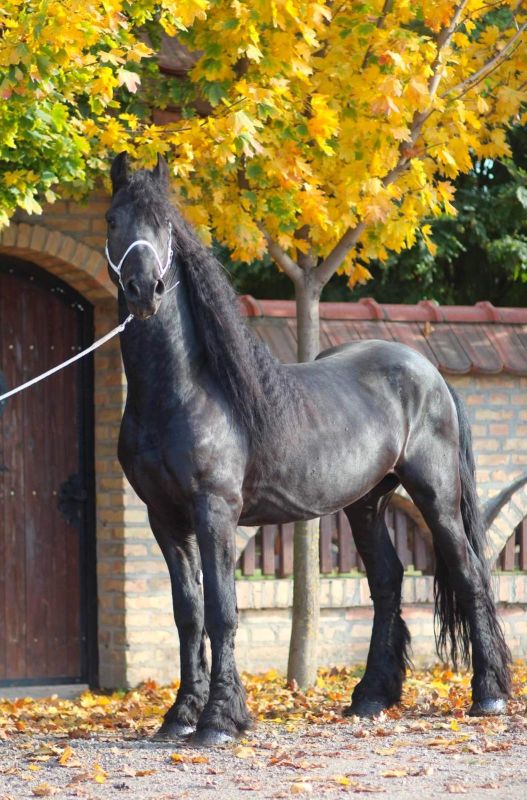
255 382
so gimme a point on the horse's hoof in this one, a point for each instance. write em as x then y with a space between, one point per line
209 737
365 708
489 707
172 730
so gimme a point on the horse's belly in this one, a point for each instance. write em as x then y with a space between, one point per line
313 490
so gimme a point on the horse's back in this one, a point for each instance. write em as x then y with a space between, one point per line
376 351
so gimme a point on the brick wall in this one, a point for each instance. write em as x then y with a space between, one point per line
497 408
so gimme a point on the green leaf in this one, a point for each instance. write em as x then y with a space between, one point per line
254 171
521 194
215 91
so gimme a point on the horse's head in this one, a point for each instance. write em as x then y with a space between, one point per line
138 246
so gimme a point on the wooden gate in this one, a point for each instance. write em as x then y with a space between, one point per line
47 560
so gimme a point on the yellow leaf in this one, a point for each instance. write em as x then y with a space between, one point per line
243 751
180 758
301 787
395 773
65 756
44 790
99 774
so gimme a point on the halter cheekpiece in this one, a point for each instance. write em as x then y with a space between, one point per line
162 268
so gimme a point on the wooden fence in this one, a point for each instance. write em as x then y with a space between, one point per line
514 554
270 552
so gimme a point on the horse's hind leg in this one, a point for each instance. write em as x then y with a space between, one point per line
444 491
381 684
180 550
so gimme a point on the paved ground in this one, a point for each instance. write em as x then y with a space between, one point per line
424 757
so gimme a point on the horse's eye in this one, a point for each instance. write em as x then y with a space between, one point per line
111 223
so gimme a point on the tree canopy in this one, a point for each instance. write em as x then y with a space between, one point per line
69 71
333 128
481 252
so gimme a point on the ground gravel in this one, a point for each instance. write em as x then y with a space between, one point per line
423 757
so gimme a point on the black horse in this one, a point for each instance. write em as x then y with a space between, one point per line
217 432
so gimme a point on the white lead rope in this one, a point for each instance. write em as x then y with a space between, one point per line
119 329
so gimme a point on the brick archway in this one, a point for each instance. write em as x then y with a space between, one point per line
81 266
511 513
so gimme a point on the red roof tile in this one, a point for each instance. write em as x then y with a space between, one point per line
457 339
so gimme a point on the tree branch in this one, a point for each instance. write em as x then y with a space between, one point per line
488 68
291 269
443 40
335 258
333 261
386 9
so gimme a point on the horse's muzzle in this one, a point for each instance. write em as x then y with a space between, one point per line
143 298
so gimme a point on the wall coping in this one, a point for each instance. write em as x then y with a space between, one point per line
352 592
369 309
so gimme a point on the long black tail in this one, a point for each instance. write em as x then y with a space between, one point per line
452 632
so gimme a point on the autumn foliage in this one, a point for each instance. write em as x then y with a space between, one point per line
333 128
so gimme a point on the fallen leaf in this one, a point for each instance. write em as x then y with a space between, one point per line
395 773
188 758
456 788
301 787
99 774
44 790
242 751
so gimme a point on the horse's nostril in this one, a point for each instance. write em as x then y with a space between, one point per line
132 288
160 288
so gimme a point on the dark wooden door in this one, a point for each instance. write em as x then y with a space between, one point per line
46 487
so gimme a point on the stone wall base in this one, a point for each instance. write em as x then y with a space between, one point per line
263 636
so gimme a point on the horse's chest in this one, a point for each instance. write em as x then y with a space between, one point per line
150 461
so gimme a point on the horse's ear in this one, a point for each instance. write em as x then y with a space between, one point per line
161 171
119 171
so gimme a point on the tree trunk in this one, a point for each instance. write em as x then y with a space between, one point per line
302 666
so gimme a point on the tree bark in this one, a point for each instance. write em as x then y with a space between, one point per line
302 666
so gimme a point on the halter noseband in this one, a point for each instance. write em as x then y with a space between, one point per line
162 268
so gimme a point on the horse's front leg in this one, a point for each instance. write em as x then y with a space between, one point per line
225 716
179 548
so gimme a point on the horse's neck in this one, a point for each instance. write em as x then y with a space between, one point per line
162 356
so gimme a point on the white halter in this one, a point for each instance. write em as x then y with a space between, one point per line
162 268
